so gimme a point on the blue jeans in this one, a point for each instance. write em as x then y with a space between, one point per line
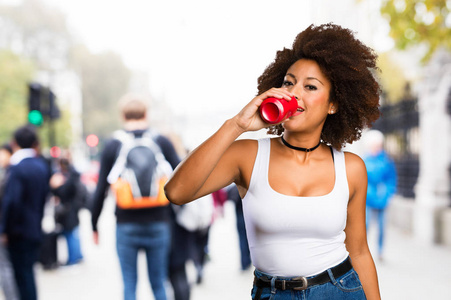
241 227
347 286
73 246
155 239
380 215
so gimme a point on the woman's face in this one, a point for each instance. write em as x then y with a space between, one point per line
311 87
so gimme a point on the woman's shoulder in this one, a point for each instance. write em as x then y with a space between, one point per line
245 145
244 155
355 167
352 157
250 144
244 150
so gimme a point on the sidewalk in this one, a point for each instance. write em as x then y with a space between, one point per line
410 270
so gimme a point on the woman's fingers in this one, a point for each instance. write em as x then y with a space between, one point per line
249 118
279 93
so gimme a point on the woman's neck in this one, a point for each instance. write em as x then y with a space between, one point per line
305 141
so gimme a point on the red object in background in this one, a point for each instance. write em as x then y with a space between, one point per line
55 152
92 140
274 110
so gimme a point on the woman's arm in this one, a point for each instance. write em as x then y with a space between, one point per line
216 162
356 241
206 169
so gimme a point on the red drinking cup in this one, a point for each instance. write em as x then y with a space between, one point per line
274 110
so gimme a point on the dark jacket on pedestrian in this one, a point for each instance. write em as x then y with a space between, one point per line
25 193
71 195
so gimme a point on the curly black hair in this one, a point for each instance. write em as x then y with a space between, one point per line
348 64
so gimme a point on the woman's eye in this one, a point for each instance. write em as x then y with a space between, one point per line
310 87
287 83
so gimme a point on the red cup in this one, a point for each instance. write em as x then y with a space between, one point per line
274 110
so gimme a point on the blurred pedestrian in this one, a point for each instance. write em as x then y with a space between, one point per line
7 280
70 196
381 183
5 156
245 256
196 219
179 255
303 196
134 162
190 230
24 197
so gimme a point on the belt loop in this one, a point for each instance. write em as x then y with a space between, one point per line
331 276
273 285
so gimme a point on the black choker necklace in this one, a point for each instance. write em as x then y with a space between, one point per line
299 148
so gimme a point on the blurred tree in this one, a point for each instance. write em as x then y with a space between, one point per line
414 22
15 73
36 31
39 32
105 78
392 78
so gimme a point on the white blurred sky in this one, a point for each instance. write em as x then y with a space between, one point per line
203 57
209 52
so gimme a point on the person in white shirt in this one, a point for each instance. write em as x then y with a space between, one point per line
303 197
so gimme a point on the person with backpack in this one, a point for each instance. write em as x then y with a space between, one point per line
136 163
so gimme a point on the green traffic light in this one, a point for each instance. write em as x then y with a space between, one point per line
35 117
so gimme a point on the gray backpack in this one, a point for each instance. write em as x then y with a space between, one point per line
140 172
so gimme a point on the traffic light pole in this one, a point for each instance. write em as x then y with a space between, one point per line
52 139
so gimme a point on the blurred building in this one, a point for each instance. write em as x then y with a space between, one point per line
418 137
67 85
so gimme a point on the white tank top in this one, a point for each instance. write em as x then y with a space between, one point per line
295 236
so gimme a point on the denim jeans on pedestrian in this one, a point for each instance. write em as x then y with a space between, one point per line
73 246
347 286
154 238
380 215
244 245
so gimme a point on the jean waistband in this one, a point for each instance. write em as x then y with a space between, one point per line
301 283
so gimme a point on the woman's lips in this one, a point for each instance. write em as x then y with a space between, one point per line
299 111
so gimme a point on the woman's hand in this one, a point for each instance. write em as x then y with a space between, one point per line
248 119
216 163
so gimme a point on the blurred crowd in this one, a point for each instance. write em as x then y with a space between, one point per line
41 199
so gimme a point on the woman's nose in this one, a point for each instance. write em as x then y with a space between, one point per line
297 92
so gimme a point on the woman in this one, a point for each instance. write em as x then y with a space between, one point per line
303 198
71 194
